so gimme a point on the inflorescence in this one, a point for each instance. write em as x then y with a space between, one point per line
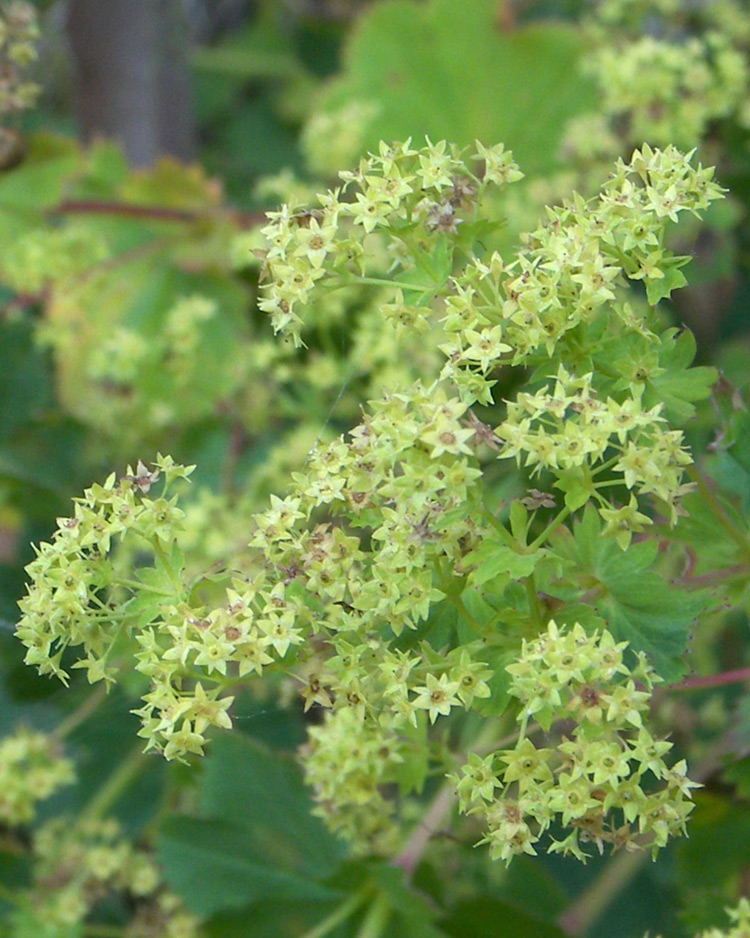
605 780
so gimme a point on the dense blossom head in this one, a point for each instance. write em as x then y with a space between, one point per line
382 584
606 781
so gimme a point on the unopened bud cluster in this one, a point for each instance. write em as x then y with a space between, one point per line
32 768
605 780
18 35
78 867
666 72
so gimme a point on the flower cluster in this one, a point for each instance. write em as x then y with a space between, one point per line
568 279
18 35
374 730
84 595
78 866
58 255
32 768
72 575
341 586
740 919
740 927
568 427
606 780
412 196
666 75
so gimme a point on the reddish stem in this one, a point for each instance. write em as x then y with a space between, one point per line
713 680
155 212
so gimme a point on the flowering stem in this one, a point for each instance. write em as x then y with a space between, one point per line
556 521
466 615
153 212
534 607
439 809
341 914
383 282
454 597
414 287
376 919
499 527
82 712
116 784
588 907
139 585
713 680
436 814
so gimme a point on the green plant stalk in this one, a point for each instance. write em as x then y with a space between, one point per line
446 586
339 915
436 814
162 555
499 527
551 527
535 610
592 902
82 712
142 587
382 282
118 782
376 918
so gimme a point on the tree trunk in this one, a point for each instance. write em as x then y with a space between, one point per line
132 74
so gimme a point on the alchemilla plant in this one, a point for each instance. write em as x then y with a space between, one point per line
444 584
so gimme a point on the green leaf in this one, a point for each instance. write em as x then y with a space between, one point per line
213 865
257 835
262 790
719 829
412 917
155 580
578 486
638 604
274 918
495 559
739 774
438 263
739 451
259 50
428 73
679 384
661 288
40 181
139 298
25 385
484 916
519 520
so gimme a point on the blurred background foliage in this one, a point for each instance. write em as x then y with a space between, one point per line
129 326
